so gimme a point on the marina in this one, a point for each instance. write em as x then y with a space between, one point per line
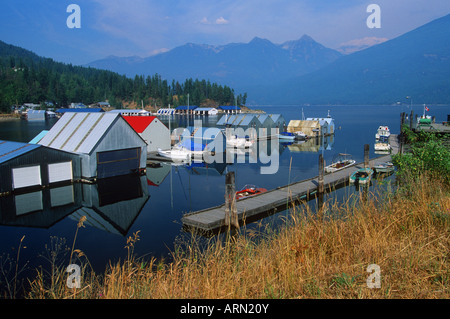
170 192
278 199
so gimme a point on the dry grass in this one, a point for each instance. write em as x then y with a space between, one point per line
322 255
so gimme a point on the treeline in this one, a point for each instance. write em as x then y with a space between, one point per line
28 78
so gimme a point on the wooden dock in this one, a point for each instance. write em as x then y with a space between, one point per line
278 199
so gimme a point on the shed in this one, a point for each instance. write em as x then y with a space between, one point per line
106 144
279 121
230 109
129 112
185 109
310 128
36 115
152 130
213 138
330 123
29 166
244 121
206 111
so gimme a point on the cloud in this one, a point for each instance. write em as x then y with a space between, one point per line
222 20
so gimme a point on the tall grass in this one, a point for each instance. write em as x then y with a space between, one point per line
317 255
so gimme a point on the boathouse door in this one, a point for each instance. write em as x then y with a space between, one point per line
116 163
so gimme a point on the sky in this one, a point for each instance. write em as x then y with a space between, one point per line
147 27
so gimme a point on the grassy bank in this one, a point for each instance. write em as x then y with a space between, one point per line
323 255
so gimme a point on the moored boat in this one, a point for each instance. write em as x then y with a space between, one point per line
248 191
175 154
386 167
340 162
361 176
287 136
382 132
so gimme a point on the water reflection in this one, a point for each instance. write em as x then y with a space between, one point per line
111 204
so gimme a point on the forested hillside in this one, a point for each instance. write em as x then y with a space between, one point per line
28 78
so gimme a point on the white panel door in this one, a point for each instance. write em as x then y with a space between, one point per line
26 176
60 172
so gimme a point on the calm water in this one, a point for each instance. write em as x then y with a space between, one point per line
154 205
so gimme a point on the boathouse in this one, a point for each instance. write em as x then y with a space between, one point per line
213 138
131 112
106 144
38 115
310 128
230 109
211 111
152 130
185 109
25 167
329 127
279 121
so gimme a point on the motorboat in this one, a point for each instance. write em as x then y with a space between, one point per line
386 167
248 191
384 147
361 176
287 136
175 154
239 142
300 135
341 161
382 132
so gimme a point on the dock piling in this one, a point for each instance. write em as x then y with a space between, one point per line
366 155
321 170
231 217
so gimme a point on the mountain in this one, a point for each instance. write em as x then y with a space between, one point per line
259 62
415 64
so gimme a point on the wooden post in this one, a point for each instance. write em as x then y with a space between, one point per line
411 120
321 169
230 201
366 155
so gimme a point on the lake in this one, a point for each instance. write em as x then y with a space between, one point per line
159 200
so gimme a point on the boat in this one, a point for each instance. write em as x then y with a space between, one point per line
382 132
340 162
300 135
386 167
248 191
239 142
383 147
287 136
361 176
191 147
175 154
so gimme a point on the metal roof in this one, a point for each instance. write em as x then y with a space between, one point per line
78 132
139 123
38 137
185 107
10 150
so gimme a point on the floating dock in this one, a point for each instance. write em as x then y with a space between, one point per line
278 199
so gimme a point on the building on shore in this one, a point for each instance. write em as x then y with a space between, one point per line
105 143
152 130
26 167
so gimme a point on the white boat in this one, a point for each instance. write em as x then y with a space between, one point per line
384 147
175 154
300 135
386 167
382 132
340 162
239 142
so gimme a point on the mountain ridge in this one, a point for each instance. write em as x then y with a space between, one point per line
257 62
